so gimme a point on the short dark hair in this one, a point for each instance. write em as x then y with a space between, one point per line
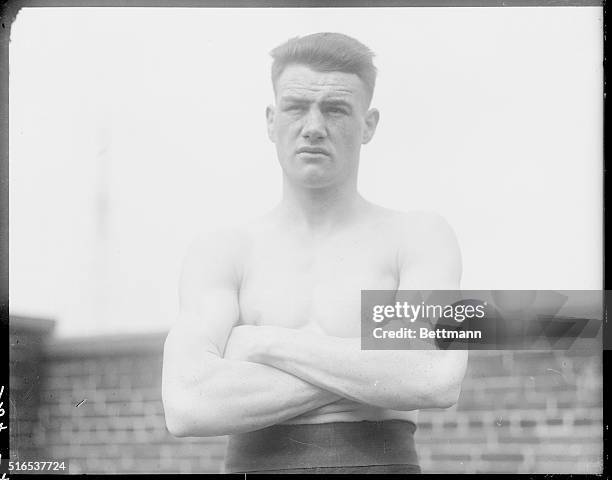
326 52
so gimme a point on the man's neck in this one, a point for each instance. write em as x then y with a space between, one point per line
320 210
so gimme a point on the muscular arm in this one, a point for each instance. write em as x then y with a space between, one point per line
203 393
399 380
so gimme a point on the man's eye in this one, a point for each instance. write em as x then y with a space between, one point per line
336 111
294 108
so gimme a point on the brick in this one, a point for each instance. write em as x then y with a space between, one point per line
536 363
76 468
144 451
469 397
122 395
450 457
571 400
16 383
554 421
500 422
591 365
519 439
205 451
493 382
486 404
498 467
541 389
502 457
567 467
577 435
593 448
28 367
468 439
25 454
58 383
487 367
547 384
146 379
522 403
151 394
508 402
443 468
564 404
497 392
567 457
475 424
585 421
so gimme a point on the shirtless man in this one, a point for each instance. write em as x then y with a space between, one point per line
267 345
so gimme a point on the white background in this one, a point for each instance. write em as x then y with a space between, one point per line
132 130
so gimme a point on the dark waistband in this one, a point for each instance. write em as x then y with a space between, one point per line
337 444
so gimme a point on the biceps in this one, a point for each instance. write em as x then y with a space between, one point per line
207 321
435 265
196 341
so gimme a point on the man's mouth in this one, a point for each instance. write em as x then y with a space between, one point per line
313 151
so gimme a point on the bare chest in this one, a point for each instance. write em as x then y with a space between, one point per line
316 287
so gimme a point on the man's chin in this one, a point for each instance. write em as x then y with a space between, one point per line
313 181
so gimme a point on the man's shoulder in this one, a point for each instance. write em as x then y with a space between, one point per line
427 223
420 233
413 223
238 239
225 245
425 239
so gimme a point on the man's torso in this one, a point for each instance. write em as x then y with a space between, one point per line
297 281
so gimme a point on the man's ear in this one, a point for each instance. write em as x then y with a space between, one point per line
371 121
270 122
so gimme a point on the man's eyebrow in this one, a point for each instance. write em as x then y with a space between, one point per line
336 102
326 102
294 99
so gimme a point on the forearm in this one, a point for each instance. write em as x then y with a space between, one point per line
239 396
400 380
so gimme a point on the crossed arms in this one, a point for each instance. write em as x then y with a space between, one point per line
220 379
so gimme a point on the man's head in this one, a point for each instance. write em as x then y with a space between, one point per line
326 52
323 85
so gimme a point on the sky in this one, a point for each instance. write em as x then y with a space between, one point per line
132 130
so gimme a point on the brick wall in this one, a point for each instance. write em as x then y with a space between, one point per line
27 339
520 412
97 403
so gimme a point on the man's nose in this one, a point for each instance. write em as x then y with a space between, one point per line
314 126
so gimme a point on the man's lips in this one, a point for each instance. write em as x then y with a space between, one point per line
313 151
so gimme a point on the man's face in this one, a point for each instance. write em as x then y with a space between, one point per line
319 123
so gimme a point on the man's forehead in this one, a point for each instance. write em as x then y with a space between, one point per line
300 80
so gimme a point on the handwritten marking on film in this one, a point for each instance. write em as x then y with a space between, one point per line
2 412
2 427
